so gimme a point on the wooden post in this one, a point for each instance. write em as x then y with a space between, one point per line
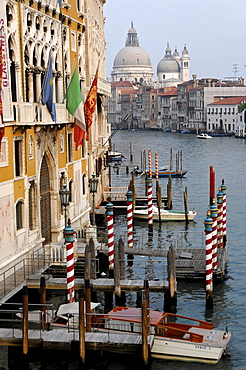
122 260
159 200
170 303
133 191
171 159
117 289
139 299
169 192
25 321
146 288
131 157
88 305
87 262
93 259
186 204
81 326
145 329
43 302
212 184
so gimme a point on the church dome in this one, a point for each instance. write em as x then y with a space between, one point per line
132 56
168 64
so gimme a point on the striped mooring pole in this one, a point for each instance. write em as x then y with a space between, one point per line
150 204
69 240
220 218
150 163
110 225
129 218
223 189
208 222
156 170
214 215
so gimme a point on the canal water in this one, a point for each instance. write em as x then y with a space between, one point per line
228 157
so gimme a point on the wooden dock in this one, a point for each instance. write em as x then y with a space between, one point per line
62 339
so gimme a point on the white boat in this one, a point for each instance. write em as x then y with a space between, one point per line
67 315
188 340
115 156
204 136
166 215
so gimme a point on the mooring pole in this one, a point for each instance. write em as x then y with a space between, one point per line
129 219
223 189
69 239
150 205
110 225
145 329
208 222
82 326
220 218
214 215
43 302
88 304
25 321
212 184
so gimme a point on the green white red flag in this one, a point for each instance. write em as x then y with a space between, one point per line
75 107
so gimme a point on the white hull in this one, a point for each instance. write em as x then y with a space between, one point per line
166 348
142 214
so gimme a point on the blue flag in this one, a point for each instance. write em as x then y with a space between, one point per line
47 91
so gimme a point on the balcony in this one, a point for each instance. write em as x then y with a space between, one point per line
30 114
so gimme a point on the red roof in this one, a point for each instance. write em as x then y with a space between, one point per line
234 100
129 91
121 84
173 91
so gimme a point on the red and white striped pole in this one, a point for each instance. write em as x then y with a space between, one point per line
220 218
150 204
209 270
110 225
214 215
212 184
156 170
223 189
129 219
150 163
69 239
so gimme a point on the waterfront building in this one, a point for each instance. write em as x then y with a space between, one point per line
168 108
225 116
37 149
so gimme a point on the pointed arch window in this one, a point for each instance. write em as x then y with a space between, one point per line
32 201
19 209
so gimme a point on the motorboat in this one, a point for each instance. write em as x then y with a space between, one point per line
165 214
203 136
115 156
175 337
66 316
162 172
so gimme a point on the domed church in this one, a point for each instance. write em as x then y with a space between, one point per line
132 63
173 70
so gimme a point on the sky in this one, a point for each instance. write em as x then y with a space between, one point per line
214 32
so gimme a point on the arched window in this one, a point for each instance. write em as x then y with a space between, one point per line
32 205
19 214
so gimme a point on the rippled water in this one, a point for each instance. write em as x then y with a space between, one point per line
228 157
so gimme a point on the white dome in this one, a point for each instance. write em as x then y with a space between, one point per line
132 56
168 65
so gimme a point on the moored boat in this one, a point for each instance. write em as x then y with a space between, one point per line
115 156
191 340
162 172
204 136
166 215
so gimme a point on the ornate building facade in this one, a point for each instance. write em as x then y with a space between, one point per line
38 154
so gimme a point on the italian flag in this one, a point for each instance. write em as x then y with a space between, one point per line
75 107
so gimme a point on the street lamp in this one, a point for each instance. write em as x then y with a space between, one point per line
65 198
93 182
